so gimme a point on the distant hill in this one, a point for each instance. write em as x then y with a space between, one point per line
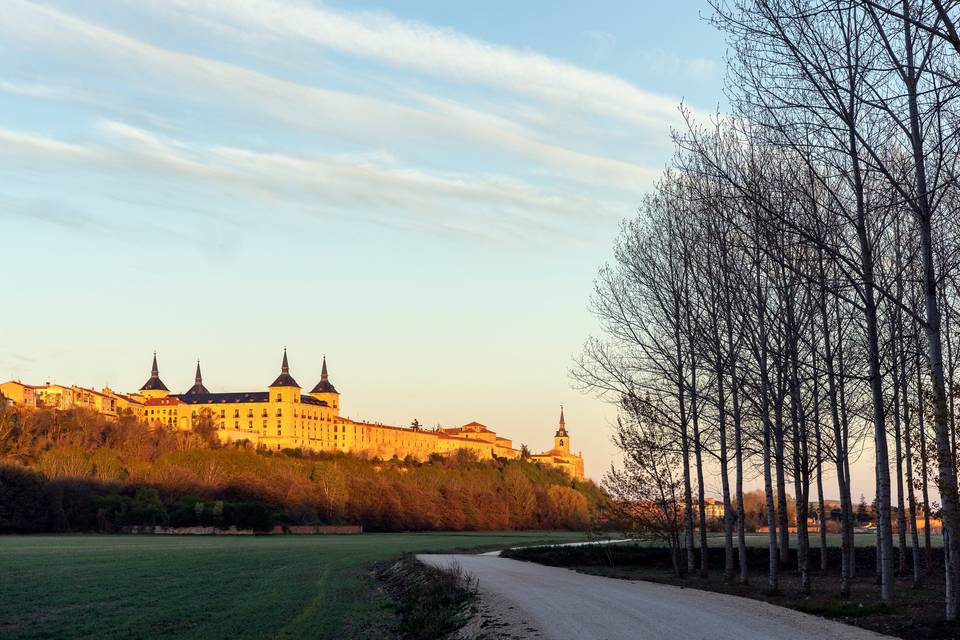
77 471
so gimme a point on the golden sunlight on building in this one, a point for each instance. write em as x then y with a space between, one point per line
560 456
282 417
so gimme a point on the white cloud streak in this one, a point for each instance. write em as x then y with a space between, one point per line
430 50
484 206
359 119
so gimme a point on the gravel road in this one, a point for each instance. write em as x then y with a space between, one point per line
550 603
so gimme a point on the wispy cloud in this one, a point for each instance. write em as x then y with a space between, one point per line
360 119
603 42
31 144
670 64
481 205
436 51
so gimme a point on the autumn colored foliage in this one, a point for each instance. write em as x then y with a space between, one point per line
77 471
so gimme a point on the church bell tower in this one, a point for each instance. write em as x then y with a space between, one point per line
561 441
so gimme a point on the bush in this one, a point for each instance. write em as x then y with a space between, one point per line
254 515
23 508
431 602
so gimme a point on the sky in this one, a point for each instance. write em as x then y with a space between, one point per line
423 191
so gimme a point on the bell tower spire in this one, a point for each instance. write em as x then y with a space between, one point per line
561 441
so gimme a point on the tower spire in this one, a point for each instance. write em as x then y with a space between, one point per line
285 379
154 384
197 387
561 441
324 386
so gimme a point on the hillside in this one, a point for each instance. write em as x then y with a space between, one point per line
76 471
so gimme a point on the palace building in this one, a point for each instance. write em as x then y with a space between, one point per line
283 417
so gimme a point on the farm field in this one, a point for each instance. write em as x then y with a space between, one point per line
212 587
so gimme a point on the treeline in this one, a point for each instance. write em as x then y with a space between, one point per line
789 294
77 471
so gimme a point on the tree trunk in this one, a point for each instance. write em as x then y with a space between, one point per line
898 439
801 465
839 442
821 508
773 567
728 564
782 519
884 530
924 476
684 435
945 436
845 428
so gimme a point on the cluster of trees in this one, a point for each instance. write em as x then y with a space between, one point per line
77 471
789 292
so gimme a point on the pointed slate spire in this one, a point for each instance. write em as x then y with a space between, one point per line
285 379
197 387
562 431
154 383
324 386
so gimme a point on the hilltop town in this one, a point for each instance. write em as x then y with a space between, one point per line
282 417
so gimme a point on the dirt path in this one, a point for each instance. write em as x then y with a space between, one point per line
551 603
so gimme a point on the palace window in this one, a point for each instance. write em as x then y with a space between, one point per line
279 412
236 424
249 413
264 413
236 413
223 413
279 397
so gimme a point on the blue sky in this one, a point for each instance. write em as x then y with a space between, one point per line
423 191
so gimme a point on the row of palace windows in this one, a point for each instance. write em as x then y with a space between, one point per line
236 414
236 425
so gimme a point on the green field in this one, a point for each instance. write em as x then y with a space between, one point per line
211 587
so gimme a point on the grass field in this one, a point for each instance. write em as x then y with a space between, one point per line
211 587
